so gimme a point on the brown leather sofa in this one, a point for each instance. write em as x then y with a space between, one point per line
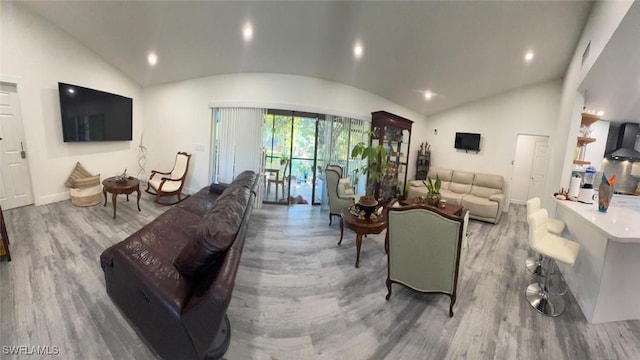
173 279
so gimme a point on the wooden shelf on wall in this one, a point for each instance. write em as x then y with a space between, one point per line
588 119
581 162
585 140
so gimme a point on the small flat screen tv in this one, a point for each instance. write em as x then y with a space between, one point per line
467 141
93 115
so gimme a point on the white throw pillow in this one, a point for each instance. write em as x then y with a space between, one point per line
344 188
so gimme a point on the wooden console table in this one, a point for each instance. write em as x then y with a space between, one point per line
449 209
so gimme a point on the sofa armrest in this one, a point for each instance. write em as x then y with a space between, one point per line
499 198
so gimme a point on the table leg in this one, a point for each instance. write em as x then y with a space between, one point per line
127 197
358 244
341 230
113 200
104 192
138 190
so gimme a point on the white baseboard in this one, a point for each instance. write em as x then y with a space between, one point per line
48 199
189 191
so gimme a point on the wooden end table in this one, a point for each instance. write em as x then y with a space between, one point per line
110 185
360 227
449 209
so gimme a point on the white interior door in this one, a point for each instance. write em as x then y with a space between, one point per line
15 180
529 167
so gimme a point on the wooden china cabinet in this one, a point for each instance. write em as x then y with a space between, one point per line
394 133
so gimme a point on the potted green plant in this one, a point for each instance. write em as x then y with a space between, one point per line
375 166
433 190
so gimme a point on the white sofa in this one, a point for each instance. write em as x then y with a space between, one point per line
481 193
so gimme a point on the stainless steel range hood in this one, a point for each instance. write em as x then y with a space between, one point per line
628 144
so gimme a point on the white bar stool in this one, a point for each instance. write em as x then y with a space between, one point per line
555 226
555 248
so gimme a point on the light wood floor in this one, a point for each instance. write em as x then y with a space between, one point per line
297 294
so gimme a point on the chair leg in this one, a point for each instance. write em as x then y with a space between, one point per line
388 289
542 300
451 303
535 266
330 218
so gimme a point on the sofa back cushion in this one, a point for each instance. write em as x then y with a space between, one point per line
443 174
485 185
245 179
461 182
216 232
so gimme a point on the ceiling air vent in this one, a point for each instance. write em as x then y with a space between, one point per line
585 54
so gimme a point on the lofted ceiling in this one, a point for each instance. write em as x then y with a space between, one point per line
461 50
613 83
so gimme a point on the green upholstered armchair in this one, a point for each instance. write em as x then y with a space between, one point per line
426 249
337 200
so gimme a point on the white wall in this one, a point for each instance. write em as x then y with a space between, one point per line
36 56
499 119
604 19
177 116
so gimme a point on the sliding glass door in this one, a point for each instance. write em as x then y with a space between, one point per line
290 161
298 146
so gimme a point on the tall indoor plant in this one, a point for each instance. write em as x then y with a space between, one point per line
374 168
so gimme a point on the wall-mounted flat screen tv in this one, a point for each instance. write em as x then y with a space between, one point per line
467 141
93 115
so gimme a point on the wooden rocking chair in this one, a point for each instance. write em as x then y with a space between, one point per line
171 185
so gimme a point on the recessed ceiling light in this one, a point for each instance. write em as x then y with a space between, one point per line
528 56
357 50
428 94
247 32
600 113
152 58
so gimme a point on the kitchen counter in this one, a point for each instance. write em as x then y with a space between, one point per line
604 279
620 223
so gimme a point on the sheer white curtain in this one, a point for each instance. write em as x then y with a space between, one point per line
357 130
237 142
341 135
